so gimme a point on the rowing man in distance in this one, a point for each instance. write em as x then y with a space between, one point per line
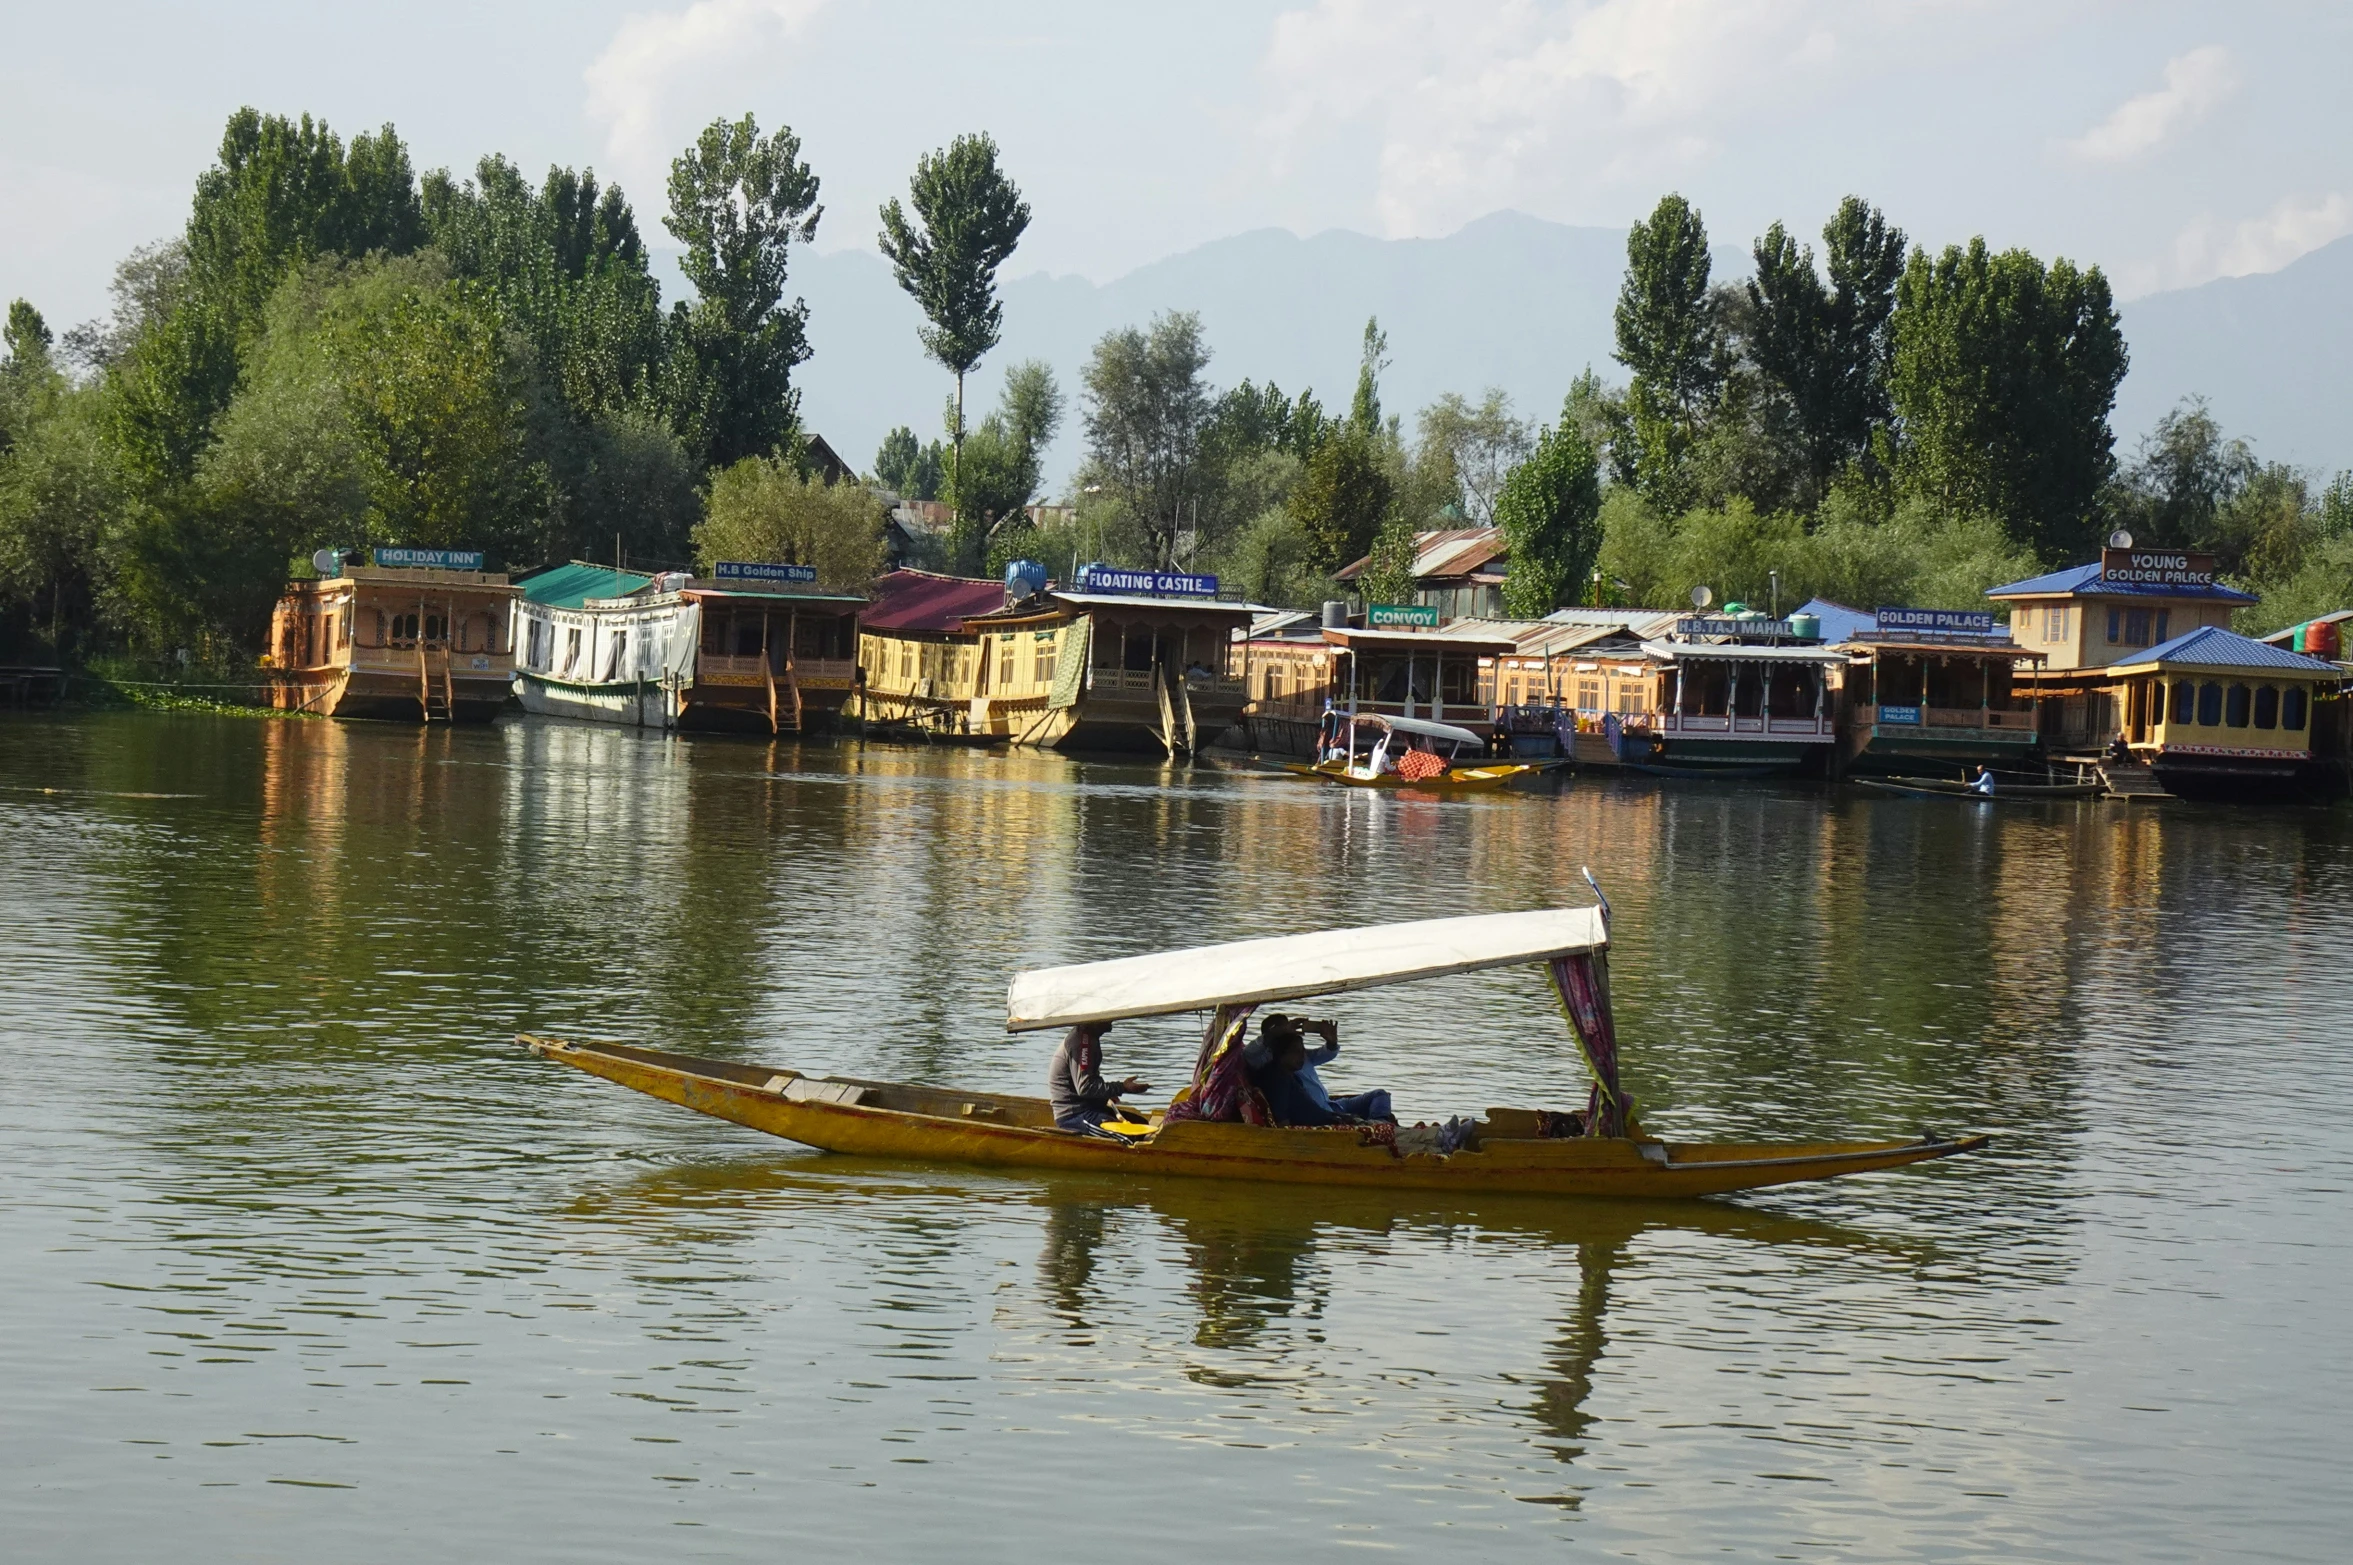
1082 1099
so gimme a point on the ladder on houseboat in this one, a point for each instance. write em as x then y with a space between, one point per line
437 702
784 700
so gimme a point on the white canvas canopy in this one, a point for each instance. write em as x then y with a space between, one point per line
1288 967
1420 727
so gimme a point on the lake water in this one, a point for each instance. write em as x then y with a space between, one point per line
305 1260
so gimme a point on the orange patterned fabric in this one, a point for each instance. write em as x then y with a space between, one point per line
1419 766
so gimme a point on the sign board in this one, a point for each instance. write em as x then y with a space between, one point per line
1900 714
2156 568
1741 629
744 570
1384 615
428 559
1948 622
1150 584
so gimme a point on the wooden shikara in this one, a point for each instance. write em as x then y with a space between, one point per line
1455 779
892 1119
1603 1153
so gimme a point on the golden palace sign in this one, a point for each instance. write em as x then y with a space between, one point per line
2156 568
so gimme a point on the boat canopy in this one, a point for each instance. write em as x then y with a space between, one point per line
1420 726
1288 967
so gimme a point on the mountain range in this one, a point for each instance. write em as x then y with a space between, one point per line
1514 302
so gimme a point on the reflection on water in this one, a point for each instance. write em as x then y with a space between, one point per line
307 1260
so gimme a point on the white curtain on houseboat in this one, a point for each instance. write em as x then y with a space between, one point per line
685 636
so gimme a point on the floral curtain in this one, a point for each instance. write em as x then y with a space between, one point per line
1582 982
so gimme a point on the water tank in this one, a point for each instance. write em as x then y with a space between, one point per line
2320 639
1335 614
1024 579
1805 627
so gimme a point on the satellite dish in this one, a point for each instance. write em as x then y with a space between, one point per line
2120 539
1701 597
328 562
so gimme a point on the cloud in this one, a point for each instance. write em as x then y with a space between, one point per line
2195 84
1476 104
657 57
2206 249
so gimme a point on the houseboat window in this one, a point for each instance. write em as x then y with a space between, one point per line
1748 691
747 634
2267 707
1707 689
1137 658
2156 701
571 649
2136 627
1632 698
2164 616
613 663
2235 711
2291 709
1042 658
436 629
1588 695
2185 702
2209 706
487 628
2115 626
404 630
1792 692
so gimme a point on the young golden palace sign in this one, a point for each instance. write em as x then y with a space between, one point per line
2156 568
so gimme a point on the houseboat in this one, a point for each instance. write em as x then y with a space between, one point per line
757 648
1568 672
1739 695
2214 714
1129 660
2088 619
1435 675
1928 692
918 667
1289 679
419 635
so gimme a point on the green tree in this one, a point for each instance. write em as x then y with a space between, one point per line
1364 409
910 468
60 484
2004 373
1824 348
739 201
1550 514
1484 442
968 218
1388 570
2182 477
282 193
1147 408
1667 338
1343 497
1003 465
764 508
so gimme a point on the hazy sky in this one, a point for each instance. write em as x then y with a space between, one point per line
2170 143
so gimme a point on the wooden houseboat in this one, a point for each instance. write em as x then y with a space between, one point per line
2088 619
1554 694
1928 692
756 648
918 667
418 636
1738 696
2214 714
1436 675
1289 680
1103 670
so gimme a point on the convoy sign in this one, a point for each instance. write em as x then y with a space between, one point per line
1389 615
429 559
2157 567
1150 584
1949 622
745 570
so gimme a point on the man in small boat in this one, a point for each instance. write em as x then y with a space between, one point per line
1287 1077
1983 782
1082 1099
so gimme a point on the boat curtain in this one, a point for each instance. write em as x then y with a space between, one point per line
1582 982
1070 669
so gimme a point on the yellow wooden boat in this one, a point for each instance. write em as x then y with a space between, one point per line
1376 734
1599 1151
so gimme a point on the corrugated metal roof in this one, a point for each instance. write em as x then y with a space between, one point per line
2086 581
1539 637
1839 623
2210 646
1646 621
922 601
1702 651
1444 552
569 585
2287 637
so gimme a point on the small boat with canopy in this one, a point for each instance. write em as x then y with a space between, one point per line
1215 1127
1370 750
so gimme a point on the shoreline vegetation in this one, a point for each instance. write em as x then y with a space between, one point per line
336 352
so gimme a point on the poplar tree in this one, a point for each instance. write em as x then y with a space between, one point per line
1667 336
968 218
1550 515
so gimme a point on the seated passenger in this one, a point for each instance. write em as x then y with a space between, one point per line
1082 1099
1293 1091
1356 1105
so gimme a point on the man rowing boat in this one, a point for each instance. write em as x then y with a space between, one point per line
1081 1098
